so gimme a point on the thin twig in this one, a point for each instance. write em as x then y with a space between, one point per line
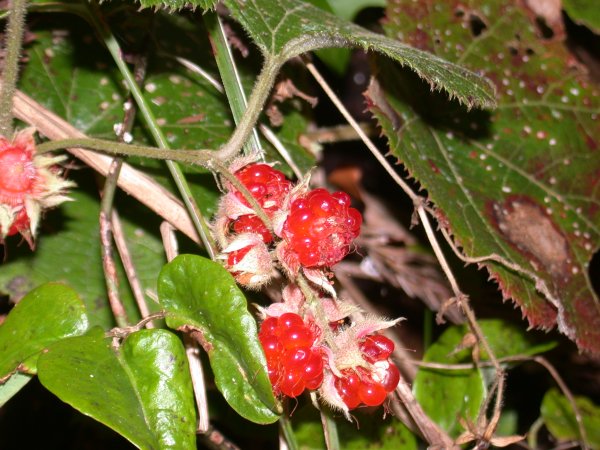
130 271
521 358
498 387
110 273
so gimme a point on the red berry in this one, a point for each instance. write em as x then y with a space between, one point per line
292 383
267 185
269 326
347 387
320 228
295 337
252 224
296 358
289 320
314 383
391 378
376 348
313 367
272 347
371 394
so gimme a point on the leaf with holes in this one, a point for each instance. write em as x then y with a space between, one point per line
519 186
288 28
141 389
200 296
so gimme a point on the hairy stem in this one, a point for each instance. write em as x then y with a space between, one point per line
14 41
257 100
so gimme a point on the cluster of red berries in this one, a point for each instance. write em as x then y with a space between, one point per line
313 229
369 387
269 187
320 227
294 364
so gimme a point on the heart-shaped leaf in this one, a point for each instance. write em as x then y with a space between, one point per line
142 389
47 314
200 295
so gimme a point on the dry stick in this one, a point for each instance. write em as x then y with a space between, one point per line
132 181
432 433
125 255
192 349
107 216
498 387
110 273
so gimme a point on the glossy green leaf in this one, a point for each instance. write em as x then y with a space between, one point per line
447 395
519 184
558 415
288 28
200 295
46 314
142 390
68 249
584 12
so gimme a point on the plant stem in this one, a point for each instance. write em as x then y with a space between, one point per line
14 41
150 121
195 157
260 94
332 441
229 75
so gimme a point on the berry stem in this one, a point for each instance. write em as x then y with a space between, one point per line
315 304
14 41
225 173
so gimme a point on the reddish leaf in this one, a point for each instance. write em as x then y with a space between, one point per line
520 182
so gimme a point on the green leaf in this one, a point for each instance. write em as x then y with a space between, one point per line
200 295
142 390
447 395
46 314
558 415
68 249
584 12
519 184
508 339
372 433
288 28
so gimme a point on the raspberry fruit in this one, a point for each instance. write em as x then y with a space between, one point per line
267 185
249 223
320 228
294 363
369 386
29 184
